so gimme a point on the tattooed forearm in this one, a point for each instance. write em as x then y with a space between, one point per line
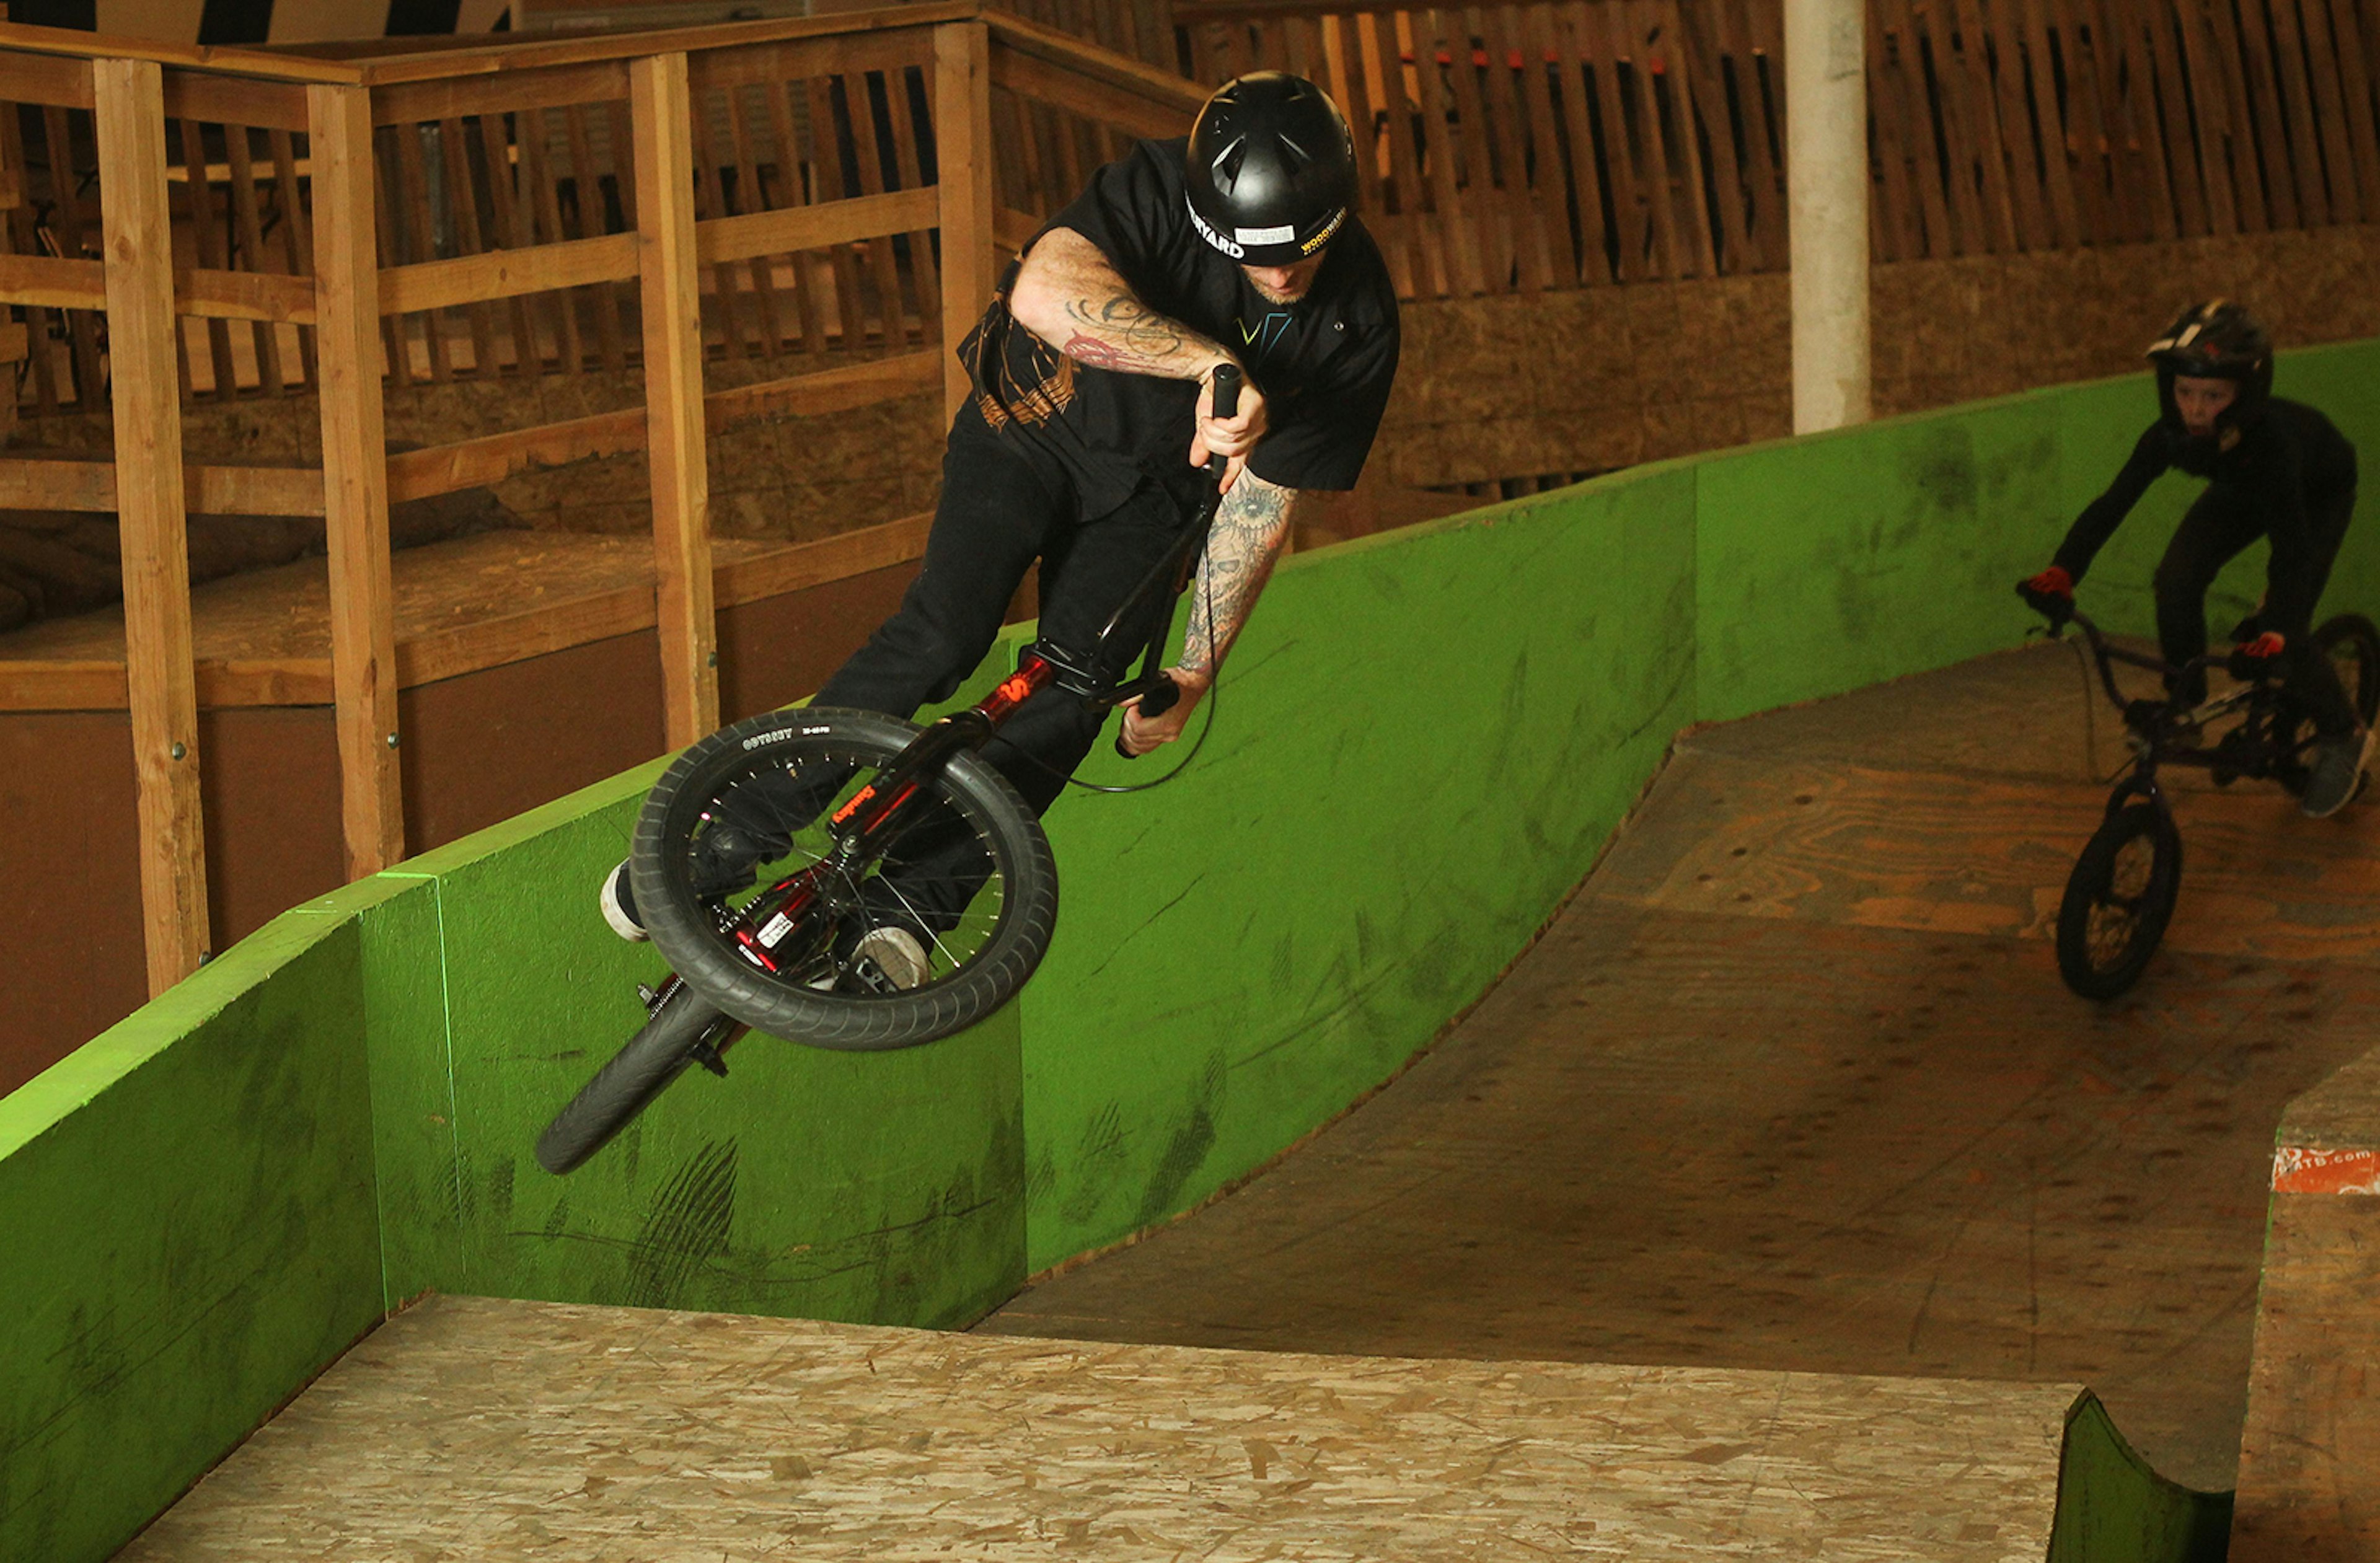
1070 296
1250 526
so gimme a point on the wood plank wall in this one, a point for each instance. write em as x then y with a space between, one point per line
1512 147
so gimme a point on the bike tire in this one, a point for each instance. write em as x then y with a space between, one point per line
2101 957
685 928
624 1087
2352 644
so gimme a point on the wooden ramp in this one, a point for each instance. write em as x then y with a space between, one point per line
1792 1083
480 1430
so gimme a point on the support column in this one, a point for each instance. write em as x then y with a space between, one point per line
355 477
963 154
661 110
1826 186
128 119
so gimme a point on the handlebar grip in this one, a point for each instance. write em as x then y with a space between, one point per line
1227 389
1157 702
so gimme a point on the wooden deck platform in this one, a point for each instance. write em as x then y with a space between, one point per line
486 1431
1793 1084
264 638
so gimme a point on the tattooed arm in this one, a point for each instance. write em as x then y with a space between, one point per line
1070 296
1250 527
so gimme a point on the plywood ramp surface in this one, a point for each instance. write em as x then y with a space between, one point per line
472 1429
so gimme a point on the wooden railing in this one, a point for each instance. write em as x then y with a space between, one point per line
451 213
1512 147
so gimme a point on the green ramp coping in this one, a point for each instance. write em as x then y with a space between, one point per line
2113 1509
1425 739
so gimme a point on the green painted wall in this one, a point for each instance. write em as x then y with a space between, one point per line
1425 739
2113 1509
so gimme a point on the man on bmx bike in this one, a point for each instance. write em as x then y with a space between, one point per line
1094 375
2276 468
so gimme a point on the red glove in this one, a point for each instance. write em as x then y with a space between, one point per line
2266 645
2052 582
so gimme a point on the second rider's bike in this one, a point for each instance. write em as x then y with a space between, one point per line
768 852
2125 883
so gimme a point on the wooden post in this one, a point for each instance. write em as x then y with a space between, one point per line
963 151
128 118
661 110
1827 196
355 477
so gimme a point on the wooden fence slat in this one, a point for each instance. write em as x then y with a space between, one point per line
909 163
2002 59
463 214
412 186
1574 181
751 195
513 231
710 195
355 481
963 154
1431 243
2054 140
248 222
90 486
69 224
2274 137
471 280
21 242
586 186
826 185
1687 140
160 677
2088 147
1535 170
199 193
2344 160
859 98
1632 43
1470 269
662 105
2238 173
2347 47
2302 106
1470 137
807 268
545 221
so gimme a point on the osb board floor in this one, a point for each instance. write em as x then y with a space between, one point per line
286 612
1793 1084
470 1429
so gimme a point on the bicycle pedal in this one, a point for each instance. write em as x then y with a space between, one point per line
648 996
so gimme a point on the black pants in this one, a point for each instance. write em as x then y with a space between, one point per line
2222 522
999 512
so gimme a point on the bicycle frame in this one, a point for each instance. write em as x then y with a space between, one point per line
2157 729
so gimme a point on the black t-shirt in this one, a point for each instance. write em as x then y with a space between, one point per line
2290 461
1325 363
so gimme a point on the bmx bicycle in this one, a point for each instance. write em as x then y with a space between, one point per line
2128 878
768 850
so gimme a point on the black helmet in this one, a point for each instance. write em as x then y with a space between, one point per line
1271 169
2216 340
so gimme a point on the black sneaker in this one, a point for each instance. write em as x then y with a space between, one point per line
2338 775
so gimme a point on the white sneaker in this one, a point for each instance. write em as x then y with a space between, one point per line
619 906
896 954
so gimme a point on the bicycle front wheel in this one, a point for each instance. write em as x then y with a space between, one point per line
748 893
656 1055
2119 900
2352 646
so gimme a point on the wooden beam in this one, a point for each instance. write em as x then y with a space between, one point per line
512 91
1030 76
790 228
527 52
1158 89
838 558
230 62
825 391
355 480
207 490
45 80
660 107
969 216
58 283
231 100
506 273
128 120
52 282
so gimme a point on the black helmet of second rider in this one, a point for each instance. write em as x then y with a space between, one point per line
1271 169
2216 340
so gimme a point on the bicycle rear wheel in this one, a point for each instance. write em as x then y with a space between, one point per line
2352 644
754 897
656 1055
2119 899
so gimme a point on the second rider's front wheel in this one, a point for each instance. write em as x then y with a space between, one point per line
758 897
2119 900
